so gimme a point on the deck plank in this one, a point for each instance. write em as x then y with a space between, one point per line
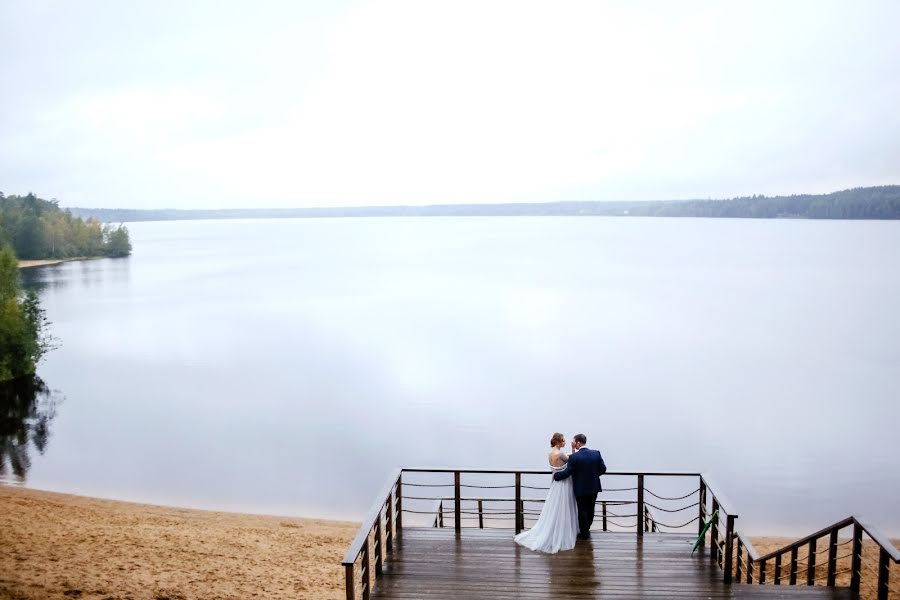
435 564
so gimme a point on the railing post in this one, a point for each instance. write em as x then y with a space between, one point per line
738 573
777 578
884 574
856 560
749 568
604 515
399 492
364 570
348 581
729 547
389 522
811 563
640 505
762 571
702 520
441 514
714 532
519 524
832 557
793 574
378 565
456 502
480 513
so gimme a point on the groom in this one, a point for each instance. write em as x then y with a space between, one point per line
585 466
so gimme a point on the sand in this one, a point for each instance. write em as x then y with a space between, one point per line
59 546
63 546
43 262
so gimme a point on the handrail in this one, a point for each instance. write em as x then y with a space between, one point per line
876 536
545 472
724 505
489 499
745 542
804 541
880 539
369 522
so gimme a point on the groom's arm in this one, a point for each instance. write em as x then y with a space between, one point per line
560 475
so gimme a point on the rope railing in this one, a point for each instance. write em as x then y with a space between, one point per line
427 484
685 524
532 500
612 522
683 508
675 498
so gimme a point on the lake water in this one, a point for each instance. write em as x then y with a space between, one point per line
285 366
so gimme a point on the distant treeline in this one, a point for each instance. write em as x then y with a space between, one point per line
881 202
37 228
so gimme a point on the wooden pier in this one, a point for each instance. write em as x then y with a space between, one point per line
443 533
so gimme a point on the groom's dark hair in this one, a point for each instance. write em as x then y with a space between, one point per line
580 438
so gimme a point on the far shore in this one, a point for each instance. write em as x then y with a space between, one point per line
43 262
62 546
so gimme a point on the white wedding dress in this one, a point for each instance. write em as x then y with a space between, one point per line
557 526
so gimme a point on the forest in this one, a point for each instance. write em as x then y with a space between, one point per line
880 202
39 229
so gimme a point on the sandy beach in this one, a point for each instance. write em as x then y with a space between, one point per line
60 546
26 264
64 546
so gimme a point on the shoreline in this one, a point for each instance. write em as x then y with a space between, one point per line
45 262
61 546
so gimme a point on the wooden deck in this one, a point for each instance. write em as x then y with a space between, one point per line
433 563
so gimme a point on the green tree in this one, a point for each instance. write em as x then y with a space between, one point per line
39 228
116 241
23 338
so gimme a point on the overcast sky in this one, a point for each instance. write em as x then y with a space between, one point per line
280 104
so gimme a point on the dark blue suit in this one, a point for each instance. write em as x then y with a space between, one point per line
585 468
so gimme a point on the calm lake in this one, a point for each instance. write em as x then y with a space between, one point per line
285 366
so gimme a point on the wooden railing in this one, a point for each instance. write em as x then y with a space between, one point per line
722 542
383 522
756 569
364 561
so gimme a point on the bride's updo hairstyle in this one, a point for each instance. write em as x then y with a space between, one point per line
557 439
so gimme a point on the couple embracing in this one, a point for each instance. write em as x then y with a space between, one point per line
569 508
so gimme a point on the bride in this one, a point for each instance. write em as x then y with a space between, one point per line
557 526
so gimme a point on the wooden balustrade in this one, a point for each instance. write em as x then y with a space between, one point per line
858 529
387 502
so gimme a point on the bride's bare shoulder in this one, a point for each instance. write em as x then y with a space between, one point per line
557 457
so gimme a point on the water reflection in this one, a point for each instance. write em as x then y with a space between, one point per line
84 273
27 408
